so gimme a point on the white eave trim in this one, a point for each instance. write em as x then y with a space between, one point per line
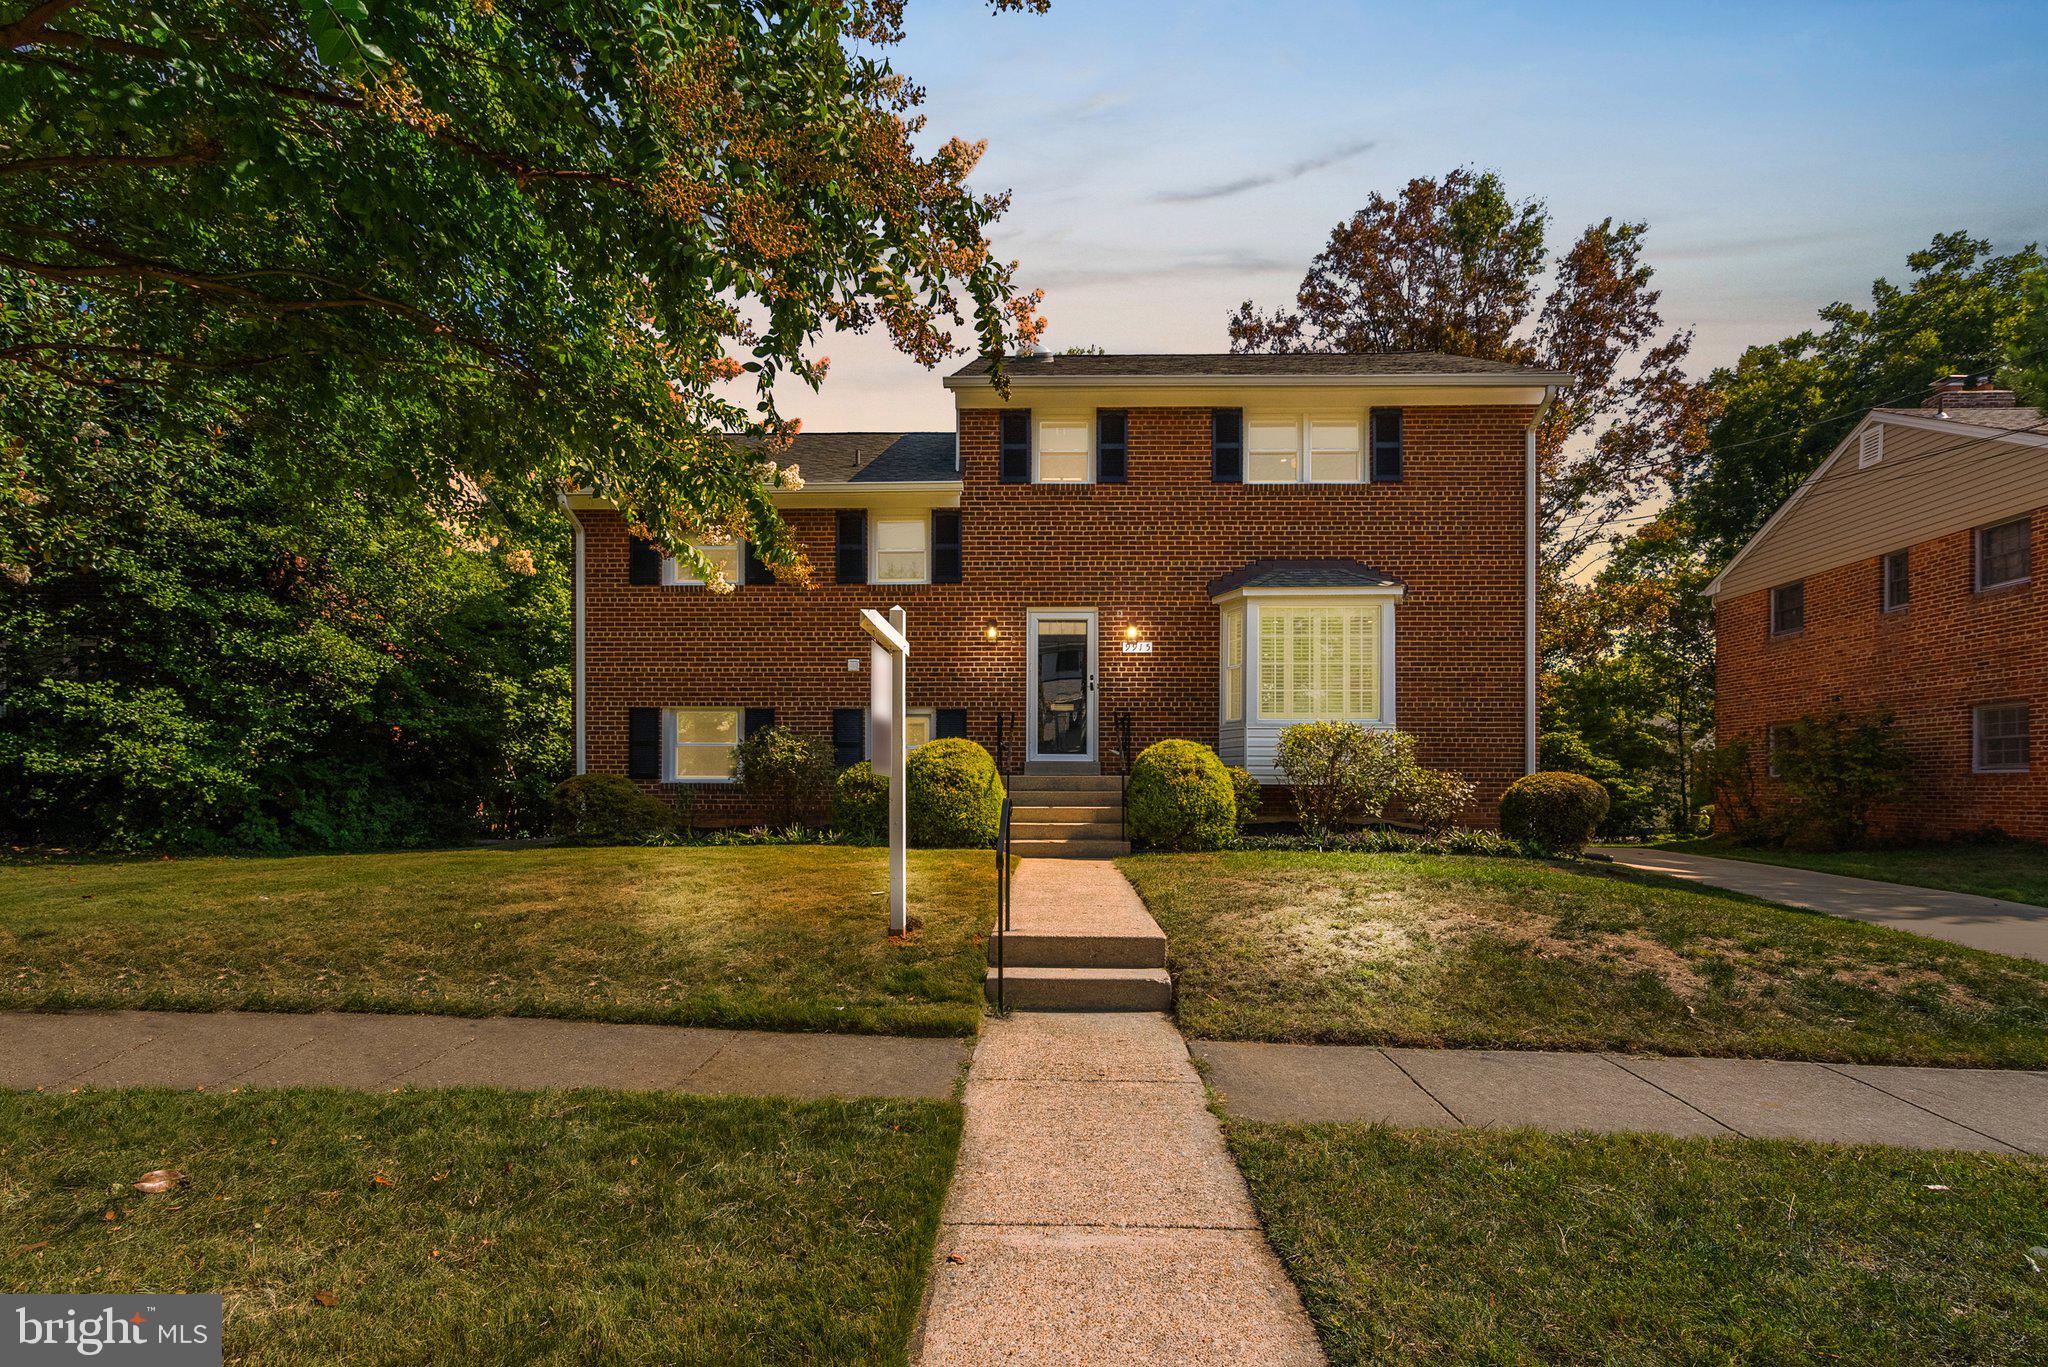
1033 379
929 493
1388 592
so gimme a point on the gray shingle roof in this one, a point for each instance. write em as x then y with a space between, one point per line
1303 574
2017 419
1226 363
872 457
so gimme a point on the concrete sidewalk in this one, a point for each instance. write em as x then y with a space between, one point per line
1095 1215
1961 917
216 1050
1931 1108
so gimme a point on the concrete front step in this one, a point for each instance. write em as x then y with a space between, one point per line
1069 849
1030 827
1085 989
1066 949
1026 785
1066 810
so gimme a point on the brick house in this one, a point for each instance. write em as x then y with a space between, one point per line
1900 577
1120 550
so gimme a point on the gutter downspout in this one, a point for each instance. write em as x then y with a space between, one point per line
576 693
1530 552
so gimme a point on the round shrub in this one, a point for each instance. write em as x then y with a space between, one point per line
1434 799
1250 794
1181 798
1557 812
955 798
607 807
860 803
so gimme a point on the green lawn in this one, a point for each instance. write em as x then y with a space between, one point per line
1502 1247
563 1227
1510 953
779 937
2014 870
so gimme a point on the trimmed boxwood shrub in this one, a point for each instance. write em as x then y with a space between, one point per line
860 803
955 798
1557 812
1181 797
1249 793
597 807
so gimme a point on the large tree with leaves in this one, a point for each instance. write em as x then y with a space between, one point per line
1455 264
433 246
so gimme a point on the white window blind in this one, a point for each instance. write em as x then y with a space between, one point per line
1319 663
1063 453
1273 452
900 551
1335 453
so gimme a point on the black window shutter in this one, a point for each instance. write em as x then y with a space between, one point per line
1016 446
946 561
755 570
643 742
950 721
1226 446
1112 432
1386 445
853 546
643 561
849 736
755 719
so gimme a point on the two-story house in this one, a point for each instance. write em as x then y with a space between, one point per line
1900 577
1119 550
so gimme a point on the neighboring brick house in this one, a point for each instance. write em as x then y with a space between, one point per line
1901 577
1122 549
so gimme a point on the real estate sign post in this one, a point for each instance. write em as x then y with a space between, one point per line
888 695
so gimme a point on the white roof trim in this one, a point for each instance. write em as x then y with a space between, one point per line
1931 423
1518 379
1394 592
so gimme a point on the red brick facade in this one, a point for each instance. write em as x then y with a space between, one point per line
1931 662
1140 553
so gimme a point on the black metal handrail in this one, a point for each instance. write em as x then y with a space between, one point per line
1002 902
1123 814
1002 744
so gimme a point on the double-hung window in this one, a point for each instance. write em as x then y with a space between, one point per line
1272 451
723 553
1231 653
699 743
902 550
1293 449
1065 453
918 723
1898 581
1788 608
2005 554
1319 663
1998 741
1335 453
1777 739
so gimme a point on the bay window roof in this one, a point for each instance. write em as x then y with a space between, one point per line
1302 574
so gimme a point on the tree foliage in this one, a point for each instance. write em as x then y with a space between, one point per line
1454 264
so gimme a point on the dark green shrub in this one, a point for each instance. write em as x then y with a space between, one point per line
1250 793
1733 778
785 773
1837 768
1385 840
860 803
1181 798
1556 812
955 798
597 807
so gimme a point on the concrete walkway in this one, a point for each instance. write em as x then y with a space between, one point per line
1964 918
1095 1216
1928 1108
216 1050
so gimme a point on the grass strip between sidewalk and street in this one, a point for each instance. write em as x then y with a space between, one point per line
482 1226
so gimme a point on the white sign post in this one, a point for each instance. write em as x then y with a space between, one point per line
888 695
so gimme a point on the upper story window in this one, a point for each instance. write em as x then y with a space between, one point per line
902 550
1273 451
1898 582
1320 448
724 556
1065 454
1999 738
2005 554
1788 608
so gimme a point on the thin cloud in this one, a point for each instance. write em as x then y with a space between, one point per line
1225 263
1309 166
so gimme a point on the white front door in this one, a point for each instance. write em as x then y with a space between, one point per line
1059 704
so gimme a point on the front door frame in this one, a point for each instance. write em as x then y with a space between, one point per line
1032 617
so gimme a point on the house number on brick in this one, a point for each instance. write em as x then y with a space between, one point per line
1137 647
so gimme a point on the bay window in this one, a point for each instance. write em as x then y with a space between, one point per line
1231 654
1319 663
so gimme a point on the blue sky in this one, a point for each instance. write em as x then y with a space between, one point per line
1169 160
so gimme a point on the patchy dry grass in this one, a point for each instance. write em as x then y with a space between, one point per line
2016 870
774 937
1436 950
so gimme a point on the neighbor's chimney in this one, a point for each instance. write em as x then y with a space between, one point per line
1961 391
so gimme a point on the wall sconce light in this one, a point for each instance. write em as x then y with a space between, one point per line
1130 633
991 633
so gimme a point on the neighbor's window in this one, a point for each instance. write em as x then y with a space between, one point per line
900 550
1319 663
1063 454
1898 582
1335 454
1788 608
724 556
1999 741
2005 553
1231 654
917 727
1272 451
700 745
1776 738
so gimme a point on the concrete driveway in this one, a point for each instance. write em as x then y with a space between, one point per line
1964 918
